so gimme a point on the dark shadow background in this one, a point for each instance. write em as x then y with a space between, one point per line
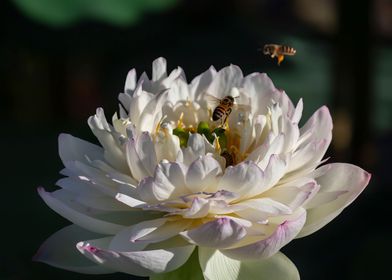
54 73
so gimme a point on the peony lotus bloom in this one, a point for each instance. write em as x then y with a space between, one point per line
170 192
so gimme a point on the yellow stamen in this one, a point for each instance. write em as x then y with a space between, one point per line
180 123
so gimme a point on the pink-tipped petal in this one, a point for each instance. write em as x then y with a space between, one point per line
338 177
59 251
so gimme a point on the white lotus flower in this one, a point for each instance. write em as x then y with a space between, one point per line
158 194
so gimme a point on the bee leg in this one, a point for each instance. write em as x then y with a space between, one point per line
227 115
280 58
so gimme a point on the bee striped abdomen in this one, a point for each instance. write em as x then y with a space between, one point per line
228 157
287 50
218 113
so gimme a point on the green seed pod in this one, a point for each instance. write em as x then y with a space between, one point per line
182 135
204 129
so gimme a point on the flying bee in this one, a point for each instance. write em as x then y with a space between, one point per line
224 108
278 50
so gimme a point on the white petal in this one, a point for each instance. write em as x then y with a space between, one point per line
140 263
146 152
338 177
298 112
262 91
261 209
168 182
166 231
141 157
138 103
243 179
78 217
224 81
72 148
130 82
159 69
168 147
202 174
199 208
265 248
109 140
195 148
315 138
220 233
291 195
59 251
135 232
216 265
274 171
200 83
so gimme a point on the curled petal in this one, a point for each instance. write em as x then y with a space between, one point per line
265 248
140 263
220 233
335 177
199 208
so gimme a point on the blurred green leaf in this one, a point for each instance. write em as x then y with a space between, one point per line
61 13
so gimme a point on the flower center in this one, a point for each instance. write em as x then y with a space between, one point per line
226 142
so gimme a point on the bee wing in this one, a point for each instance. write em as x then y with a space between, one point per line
212 99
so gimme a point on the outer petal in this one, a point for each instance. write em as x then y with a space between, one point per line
315 138
72 148
59 251
265 248
335 177
191 270
140 263
80 218
216 265
220 233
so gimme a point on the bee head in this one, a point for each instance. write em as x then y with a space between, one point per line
267 49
